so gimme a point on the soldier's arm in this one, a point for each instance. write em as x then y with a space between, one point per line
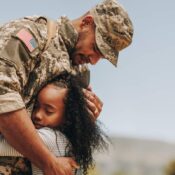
15 124
19 131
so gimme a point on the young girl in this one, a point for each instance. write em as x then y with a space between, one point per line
61 105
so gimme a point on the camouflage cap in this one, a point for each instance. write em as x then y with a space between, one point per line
114 29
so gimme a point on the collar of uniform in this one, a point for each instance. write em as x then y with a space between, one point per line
68 33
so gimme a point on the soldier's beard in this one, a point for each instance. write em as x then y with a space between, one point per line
78 58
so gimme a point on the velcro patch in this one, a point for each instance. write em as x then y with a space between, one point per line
27 38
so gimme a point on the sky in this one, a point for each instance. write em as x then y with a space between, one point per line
138 95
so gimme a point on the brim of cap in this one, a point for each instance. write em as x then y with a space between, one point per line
105 49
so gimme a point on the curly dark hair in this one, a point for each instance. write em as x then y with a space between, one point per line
83 133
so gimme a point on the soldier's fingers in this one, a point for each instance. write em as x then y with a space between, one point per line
88 94
68 169
91 114
93 98
93 110
89 88
98 100
95 104
98 106
74 163
96 114
91 106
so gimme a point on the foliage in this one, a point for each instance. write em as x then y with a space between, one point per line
170 169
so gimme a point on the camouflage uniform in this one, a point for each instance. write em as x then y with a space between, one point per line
24 71
14 166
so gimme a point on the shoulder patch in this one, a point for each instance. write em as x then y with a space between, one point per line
27 38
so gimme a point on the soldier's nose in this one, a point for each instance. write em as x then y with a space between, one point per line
94 60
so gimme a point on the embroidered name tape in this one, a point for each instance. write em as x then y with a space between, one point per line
27 38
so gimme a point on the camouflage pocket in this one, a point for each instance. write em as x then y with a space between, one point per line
15 166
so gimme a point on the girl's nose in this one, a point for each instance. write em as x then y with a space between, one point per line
37 115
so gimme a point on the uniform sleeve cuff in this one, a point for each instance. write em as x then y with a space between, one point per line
10 102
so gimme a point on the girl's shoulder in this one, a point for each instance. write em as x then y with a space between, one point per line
55 140
50 133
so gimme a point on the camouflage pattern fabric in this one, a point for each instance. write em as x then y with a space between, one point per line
15 166
24 71
114 29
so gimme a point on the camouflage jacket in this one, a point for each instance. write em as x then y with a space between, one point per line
25 68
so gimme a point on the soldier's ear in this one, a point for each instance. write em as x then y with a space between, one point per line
87 20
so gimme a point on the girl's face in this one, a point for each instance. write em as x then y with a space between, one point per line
49 108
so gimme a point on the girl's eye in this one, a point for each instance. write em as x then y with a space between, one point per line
49 112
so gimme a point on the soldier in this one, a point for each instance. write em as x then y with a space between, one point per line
29 58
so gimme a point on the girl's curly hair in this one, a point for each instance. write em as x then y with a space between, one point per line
83 133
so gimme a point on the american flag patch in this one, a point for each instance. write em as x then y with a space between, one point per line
27 38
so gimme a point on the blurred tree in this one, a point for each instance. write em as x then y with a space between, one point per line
119 173
93 171
170 169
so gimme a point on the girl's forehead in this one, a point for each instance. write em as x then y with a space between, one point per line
53 87
51 92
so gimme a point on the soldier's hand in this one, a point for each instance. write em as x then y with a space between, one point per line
62 166
94 103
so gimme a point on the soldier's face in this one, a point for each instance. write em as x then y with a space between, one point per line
49 108
86 50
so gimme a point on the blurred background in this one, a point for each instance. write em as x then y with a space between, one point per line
138 95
